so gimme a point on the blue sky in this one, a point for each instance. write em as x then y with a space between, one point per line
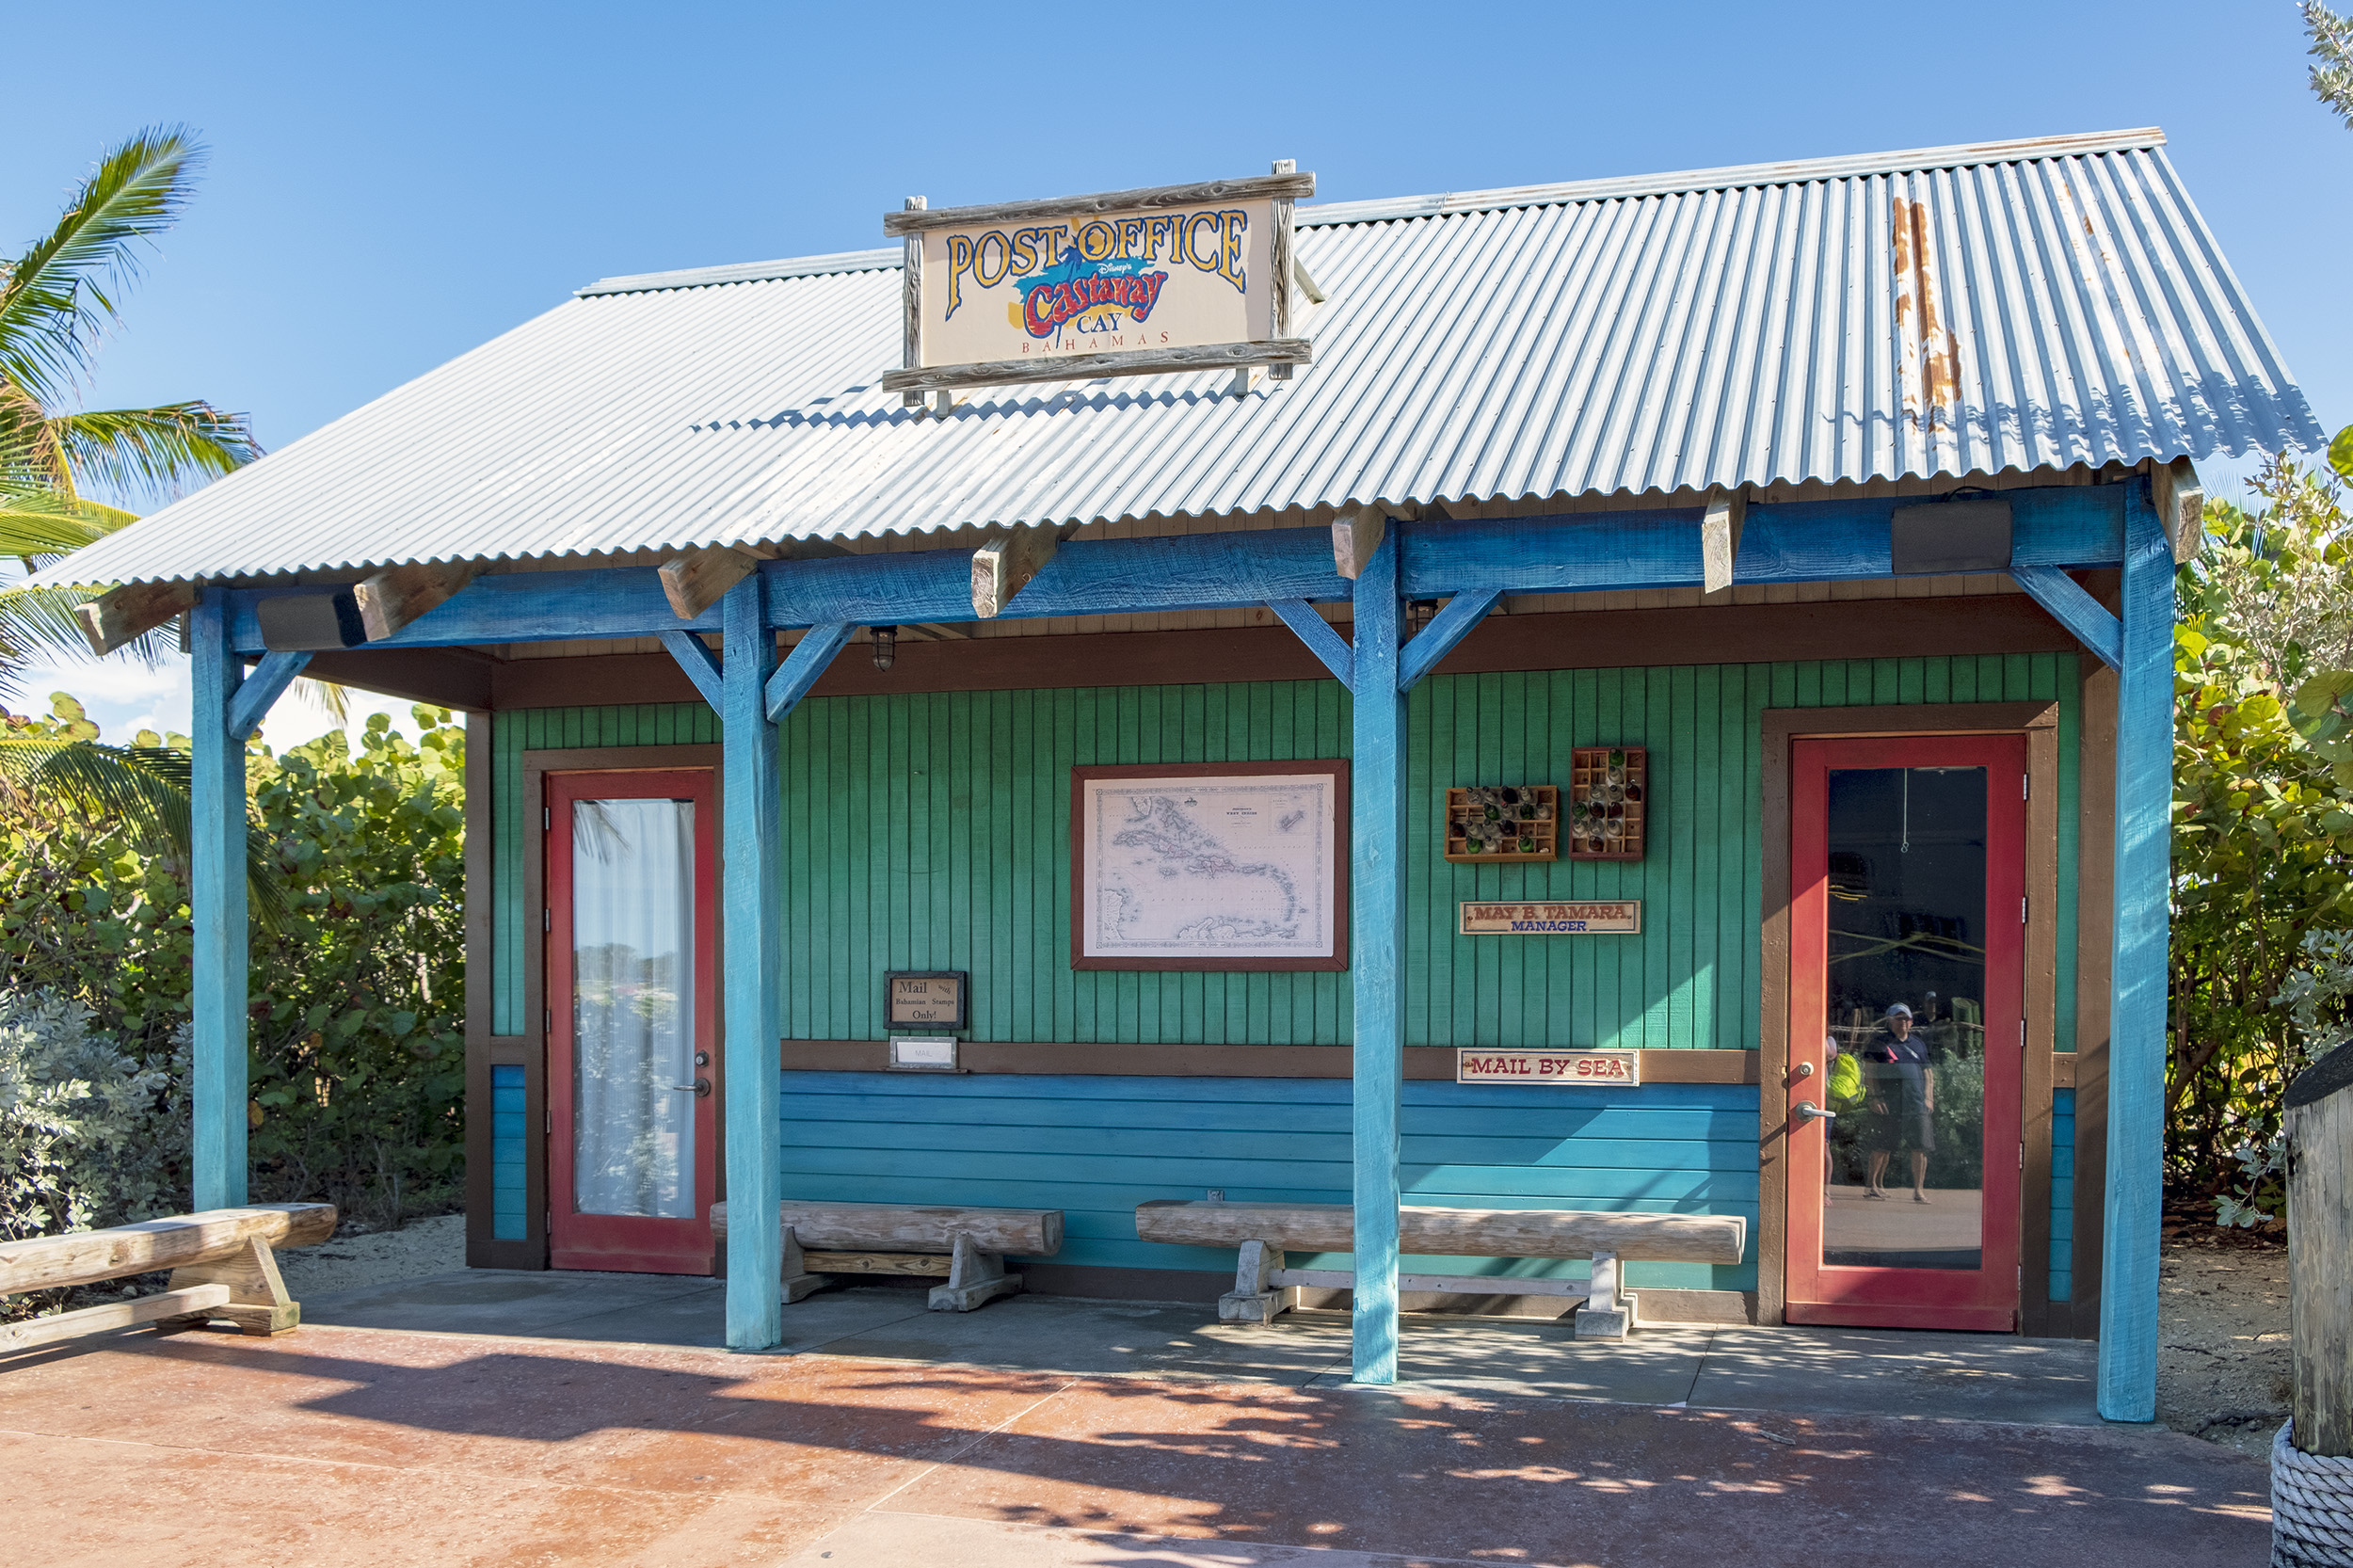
390 186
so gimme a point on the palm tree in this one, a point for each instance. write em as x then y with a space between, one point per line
57 300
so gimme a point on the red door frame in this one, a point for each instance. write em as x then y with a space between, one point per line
1985 1298
619 1243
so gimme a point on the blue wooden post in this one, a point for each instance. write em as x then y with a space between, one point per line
1376 958
749 927
217 908
2136 1027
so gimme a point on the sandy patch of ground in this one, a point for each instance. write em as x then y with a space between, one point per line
2223 1370
351 1261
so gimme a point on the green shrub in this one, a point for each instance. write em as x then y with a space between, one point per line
89 1135
355 1029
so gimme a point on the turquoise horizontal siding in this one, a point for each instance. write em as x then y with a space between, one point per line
2062 1195
509 1180
1095 1147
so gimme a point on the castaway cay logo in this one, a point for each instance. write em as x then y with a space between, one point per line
1102 277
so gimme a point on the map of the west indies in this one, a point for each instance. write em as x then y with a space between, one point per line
1209 867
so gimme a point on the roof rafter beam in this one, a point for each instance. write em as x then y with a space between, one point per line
392 598
1719 540
126 613
1007 561
695 580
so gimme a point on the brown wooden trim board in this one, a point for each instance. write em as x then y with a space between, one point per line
1427 1063
1582 639
2096 919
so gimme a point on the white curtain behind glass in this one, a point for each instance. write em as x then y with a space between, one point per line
633 1007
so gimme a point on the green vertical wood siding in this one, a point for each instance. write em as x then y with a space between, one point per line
932 830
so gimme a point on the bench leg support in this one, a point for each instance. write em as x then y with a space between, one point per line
973 1277
258 1302
1255 1298
798 1280
1607 1311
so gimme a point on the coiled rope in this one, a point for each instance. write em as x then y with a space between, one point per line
2311 1506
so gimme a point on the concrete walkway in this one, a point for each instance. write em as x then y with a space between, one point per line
1046 1432
1841 1371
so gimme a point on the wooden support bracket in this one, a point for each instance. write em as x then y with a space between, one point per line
398 595
700 664
2086 618
1719 541
257 1301
125 614
1446 631
695 582
259 690
1322 640
1005 564
973 1277
2181 502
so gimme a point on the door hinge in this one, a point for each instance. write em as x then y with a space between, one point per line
547 819
2025 786
547 1023
547 918
2022 1034
2022 1157
2022 911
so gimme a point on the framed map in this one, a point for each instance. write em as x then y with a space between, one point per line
1209 866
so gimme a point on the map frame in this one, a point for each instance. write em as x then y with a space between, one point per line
1180 776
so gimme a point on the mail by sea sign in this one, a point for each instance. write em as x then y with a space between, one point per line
1620 917
1565 1068
1129 281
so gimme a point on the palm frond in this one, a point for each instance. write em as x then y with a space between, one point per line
149 450
38 522
147 787
58 298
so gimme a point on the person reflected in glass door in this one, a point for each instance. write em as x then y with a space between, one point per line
1900 1101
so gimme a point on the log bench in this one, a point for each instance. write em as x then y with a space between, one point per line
223 1263
1263 1232
965 1248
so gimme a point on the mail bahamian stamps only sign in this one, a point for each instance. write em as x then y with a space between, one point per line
1620 916
1565 1068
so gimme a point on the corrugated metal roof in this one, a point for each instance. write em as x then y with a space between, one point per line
1959 311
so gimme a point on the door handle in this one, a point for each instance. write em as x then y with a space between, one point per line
701 1088
1806 1111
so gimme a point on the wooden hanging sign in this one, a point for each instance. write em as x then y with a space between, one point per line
1620 916
1122 283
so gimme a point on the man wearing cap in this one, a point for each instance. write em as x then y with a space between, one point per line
1899 1100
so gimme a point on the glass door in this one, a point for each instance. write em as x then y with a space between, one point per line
632 1073
1906 1030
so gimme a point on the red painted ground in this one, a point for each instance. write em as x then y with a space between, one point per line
358 1447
